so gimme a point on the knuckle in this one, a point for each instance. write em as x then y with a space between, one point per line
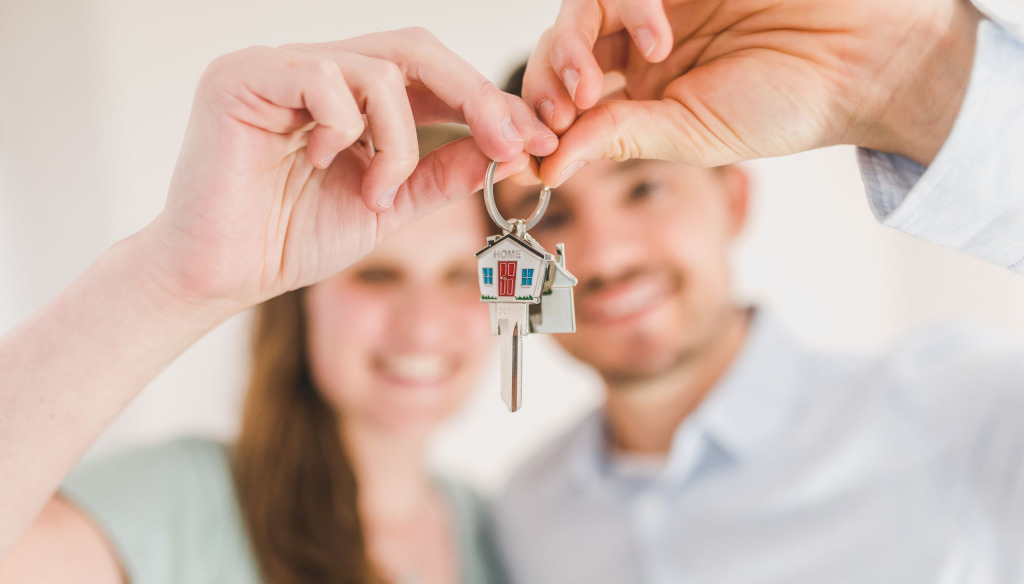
226 63
351 129
622 146
406 159
322 69
420 35
218 73
389 75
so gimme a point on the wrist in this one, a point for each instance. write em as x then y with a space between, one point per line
148 267
919 114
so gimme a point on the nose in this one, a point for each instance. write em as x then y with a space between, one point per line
605 245
421 317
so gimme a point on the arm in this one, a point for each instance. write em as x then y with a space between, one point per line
275 189
710 82
971 197
916 84
63 545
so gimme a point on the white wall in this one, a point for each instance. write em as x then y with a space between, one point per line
94 97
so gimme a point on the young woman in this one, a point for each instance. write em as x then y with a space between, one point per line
276 189
326 482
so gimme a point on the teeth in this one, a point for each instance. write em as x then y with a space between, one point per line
415 368
635 300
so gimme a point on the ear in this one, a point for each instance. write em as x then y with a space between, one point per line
737 190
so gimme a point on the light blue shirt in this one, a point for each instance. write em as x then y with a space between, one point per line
799 467
804 467
971 198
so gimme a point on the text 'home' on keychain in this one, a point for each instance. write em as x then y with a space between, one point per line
529 290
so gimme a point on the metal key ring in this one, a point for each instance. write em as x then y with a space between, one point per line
492 209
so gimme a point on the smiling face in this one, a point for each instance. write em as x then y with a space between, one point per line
396 340
649 242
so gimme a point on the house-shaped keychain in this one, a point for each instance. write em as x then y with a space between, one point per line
514 271
529 291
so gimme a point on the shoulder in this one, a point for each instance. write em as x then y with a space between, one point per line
546 477
180 468
471 520
168 510
956 356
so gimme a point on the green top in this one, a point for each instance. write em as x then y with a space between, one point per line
171 513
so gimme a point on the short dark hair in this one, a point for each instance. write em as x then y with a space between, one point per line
514 83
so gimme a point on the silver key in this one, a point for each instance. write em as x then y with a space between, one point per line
529 290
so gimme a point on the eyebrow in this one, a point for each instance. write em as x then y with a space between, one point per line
627 165
525 202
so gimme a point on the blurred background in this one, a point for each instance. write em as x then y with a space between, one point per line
94 99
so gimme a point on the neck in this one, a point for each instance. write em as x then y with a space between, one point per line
393 481
643 415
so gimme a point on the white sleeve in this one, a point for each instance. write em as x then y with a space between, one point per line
971 198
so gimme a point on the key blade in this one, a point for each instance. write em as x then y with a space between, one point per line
512 364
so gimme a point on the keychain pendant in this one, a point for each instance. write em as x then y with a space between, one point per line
529 290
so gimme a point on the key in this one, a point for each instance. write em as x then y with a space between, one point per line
528 289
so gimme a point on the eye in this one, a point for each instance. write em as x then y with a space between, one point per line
645 189
462 277
377 275
554 219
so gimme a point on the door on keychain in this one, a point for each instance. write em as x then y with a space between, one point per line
506 278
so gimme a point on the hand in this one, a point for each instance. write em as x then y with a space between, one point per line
298 160
709 82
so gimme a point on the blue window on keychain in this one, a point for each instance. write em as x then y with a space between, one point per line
528 277
488 275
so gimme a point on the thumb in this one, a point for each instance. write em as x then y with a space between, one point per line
624 129
453 171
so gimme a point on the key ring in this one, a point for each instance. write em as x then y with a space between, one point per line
492 209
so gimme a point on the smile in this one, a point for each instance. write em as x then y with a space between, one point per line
415 369
627 301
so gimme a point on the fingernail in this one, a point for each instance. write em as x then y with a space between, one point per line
571 170
546 109
571 78
542 129
326 160
387 198
644 39
509 132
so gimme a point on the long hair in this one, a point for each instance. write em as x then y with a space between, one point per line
296 487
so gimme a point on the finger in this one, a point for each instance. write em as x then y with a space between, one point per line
282 92
539 140
649 27
451 80
452 172
544 91
337 117
428 109
621 130
571 49
529 176
379 86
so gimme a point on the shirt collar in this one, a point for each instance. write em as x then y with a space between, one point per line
752 401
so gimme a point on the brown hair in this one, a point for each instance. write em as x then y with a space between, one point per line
295 482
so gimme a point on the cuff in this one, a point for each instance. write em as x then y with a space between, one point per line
971 198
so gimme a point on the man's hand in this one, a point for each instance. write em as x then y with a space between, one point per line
710 82
298 160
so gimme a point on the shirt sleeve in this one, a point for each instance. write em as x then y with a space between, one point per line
167 510
971 198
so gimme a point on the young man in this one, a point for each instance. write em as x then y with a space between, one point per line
726 451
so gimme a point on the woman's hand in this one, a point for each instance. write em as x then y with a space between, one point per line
276 187
710 82
297 160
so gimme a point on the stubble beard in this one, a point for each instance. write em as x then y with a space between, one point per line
686 356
